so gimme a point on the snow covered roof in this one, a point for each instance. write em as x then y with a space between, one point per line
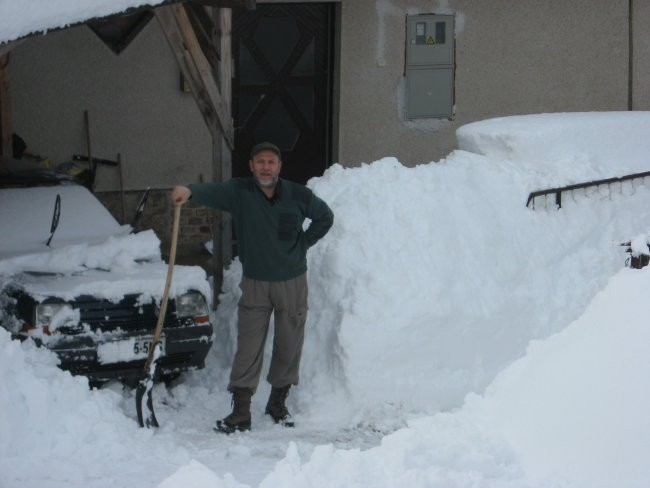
19 18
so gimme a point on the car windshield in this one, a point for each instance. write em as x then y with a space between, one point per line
26 219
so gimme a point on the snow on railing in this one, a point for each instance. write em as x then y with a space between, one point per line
639 249
558 191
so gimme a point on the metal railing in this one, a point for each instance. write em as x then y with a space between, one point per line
558 191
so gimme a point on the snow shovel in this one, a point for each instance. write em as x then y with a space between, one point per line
146 415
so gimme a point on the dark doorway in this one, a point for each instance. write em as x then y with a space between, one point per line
282 90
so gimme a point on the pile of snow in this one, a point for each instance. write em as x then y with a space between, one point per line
564 148
576 406
436 277
431 284
572 412
54 430
112 252
129 277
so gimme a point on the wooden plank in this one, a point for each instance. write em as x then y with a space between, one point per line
5 108
222 154
169 27
222 230
225 47
206 75
196 69
203 28
225 78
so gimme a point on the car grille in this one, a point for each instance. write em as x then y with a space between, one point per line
125 315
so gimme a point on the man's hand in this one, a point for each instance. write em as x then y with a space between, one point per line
180 195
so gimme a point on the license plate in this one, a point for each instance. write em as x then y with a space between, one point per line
142 345
127 350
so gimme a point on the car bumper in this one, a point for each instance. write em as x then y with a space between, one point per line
185 349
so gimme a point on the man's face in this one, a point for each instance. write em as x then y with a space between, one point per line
265 167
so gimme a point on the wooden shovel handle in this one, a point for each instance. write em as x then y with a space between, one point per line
168 283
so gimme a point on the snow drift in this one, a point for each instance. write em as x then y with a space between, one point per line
431 284
570 413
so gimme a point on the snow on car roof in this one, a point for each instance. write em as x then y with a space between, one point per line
26 219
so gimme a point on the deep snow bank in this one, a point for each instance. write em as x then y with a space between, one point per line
576 406
56 432
432 278
564 148
572 412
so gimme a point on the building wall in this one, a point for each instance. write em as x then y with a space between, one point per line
135 104
641 55
512 57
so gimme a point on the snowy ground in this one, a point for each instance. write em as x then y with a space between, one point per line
456 338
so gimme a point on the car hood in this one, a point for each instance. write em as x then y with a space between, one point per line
147 279
28 213
90 253
118 252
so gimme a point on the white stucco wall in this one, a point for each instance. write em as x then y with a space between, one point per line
641 75
135 106
512 57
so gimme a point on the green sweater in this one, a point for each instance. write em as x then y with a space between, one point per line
271 242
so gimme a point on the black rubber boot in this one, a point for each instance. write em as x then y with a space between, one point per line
276 407
240 418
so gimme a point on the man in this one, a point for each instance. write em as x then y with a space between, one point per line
268 213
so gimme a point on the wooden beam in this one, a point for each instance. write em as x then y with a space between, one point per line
222 155
202 25
206 74
196 69
6 131
225 47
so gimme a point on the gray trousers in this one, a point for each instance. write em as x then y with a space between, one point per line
288 302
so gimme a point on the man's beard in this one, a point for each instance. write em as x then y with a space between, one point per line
268 184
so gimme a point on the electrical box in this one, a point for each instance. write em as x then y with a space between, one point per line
429 66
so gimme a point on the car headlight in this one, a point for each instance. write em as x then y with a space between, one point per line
192 304
51 316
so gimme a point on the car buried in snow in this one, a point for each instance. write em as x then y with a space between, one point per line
75 281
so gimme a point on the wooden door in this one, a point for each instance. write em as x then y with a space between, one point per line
282 89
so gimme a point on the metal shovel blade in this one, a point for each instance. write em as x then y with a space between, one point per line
146 415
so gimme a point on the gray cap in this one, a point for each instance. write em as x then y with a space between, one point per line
265 146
